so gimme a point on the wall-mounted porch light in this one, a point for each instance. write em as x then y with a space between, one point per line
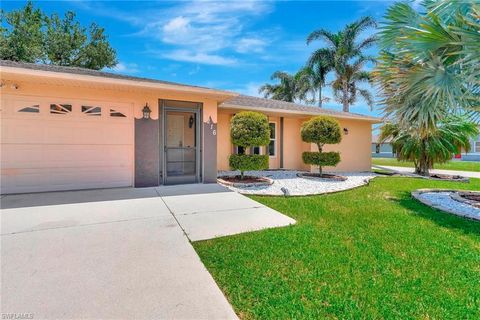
190 122
345 131
146 112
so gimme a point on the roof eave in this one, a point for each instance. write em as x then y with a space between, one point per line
106 80
227 105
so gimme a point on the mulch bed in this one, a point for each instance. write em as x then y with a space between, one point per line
472 198
246 181
325 176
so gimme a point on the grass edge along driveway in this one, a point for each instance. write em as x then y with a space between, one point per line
371 252
451 165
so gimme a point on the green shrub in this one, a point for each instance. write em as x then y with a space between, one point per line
249 129
246 162
321 159
321 130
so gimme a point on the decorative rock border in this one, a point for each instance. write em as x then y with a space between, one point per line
417 194
325 176
455 178
266 182
287 183
458 196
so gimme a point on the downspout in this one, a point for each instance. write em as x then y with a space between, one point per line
281 142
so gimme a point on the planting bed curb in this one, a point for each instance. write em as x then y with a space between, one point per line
417 194
325 176
265 182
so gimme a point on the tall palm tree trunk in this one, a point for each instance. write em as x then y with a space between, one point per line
320 96
346 107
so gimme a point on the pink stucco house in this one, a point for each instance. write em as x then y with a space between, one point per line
68 128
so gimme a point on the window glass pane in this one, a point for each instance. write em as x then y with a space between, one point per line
91 111
31 109
255 150
115 113
271 148
240 150
57 108
272 130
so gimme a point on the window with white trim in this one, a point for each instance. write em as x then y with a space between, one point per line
92 111
116 113
241 150
60 108
31 109
476 148
272 146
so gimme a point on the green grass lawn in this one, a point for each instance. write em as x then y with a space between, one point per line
367 253
452 165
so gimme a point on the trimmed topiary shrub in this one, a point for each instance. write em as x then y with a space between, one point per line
245 162
325 158
249 129
321 130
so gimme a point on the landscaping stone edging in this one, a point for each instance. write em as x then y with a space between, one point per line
267 182
287 183
417 195
332 178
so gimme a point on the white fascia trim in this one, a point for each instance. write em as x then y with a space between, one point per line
106 80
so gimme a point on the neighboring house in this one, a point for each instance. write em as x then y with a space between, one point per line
474 154
382 150
68 128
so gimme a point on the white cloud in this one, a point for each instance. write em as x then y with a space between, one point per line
200 31
246 45
122 67
250 89
198 57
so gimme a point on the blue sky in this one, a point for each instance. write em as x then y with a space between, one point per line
233 45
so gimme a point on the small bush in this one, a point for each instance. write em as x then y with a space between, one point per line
249 129
321 159
246 162
321 130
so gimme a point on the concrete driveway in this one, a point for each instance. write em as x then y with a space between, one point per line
119 253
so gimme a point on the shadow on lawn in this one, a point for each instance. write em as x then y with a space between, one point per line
441 218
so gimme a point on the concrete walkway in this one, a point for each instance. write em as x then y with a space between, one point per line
469 174
119 253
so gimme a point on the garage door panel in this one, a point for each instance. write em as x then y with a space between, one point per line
52 179
43 151
65 156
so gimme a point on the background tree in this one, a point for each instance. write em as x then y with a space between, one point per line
23 39
291 87
428 70
249 129
321 130
31 36
312 78
451 135
344 55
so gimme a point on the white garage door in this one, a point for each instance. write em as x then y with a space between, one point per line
60 144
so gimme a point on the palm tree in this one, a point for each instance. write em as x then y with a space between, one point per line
313 77
429 64
344 55
451 135
291 88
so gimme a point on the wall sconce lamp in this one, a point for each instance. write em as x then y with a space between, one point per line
190 122
345 131
146 112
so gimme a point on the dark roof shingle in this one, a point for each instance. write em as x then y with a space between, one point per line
276 105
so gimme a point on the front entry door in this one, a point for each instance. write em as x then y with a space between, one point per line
181 147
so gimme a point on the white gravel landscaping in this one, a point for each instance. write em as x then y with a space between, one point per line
296 186
443 201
